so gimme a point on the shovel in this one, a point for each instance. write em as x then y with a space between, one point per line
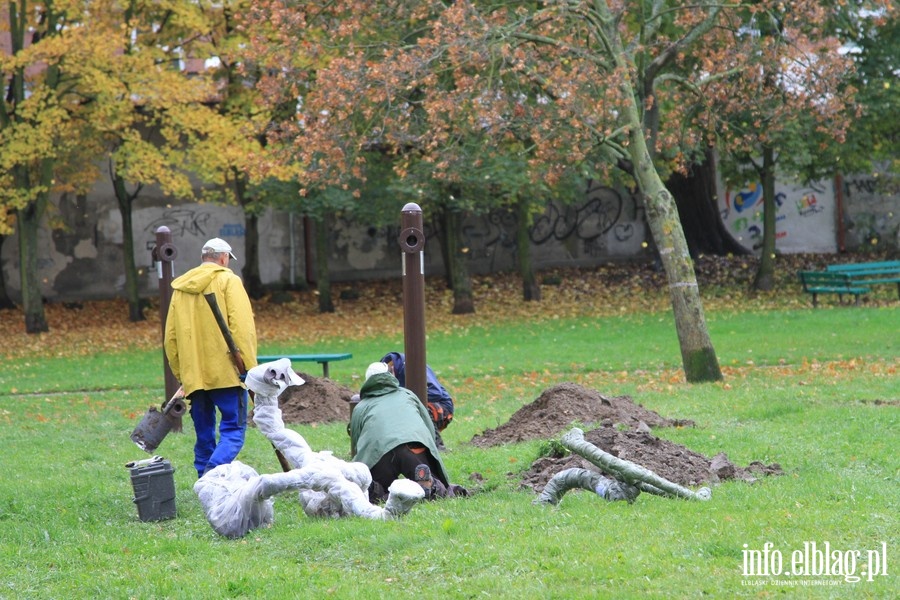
157 423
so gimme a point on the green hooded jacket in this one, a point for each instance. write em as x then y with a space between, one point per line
387 416
194 345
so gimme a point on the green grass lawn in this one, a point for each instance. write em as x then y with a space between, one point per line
817 391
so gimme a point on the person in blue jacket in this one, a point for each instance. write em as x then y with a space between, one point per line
439 401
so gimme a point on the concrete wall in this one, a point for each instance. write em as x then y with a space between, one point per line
83 260
870 217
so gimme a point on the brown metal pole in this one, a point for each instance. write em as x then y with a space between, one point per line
164 254
412 244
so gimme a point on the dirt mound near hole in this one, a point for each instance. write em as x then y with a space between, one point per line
624 432
319 400
667 459
561 405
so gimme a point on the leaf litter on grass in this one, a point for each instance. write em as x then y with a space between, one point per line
78 329
92 327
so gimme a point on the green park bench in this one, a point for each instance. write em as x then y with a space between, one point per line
830 282
868 274
322 359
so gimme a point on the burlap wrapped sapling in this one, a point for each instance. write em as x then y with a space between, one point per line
629 472
629 478
237 499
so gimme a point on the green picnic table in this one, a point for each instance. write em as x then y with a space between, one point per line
322 359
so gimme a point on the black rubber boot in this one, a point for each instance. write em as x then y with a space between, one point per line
423 478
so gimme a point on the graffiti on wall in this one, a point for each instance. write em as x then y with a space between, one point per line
605 222
363 247
804 216
182 222
196 223
491 238
366 247
599 214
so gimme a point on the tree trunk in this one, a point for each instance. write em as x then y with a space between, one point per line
457 269
765 275
697 353
309 240
38 175
440 231
323 279
5 300
28 222
250 267
250 270
132 293
531 291
698 207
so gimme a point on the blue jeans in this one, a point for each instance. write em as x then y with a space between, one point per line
232 404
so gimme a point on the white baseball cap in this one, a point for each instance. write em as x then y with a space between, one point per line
218 245
375 368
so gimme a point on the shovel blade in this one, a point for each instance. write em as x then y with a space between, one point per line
151 430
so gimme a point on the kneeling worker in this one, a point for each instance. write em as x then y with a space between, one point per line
392 433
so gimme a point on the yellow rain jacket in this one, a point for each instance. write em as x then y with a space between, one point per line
194 345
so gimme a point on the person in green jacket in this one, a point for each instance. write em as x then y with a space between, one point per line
199 357
392 433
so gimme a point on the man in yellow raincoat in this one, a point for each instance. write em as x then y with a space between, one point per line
199 356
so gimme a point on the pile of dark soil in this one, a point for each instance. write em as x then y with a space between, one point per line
667 459
623 431
319 400
559 406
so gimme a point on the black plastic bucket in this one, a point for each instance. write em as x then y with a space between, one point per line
153 481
